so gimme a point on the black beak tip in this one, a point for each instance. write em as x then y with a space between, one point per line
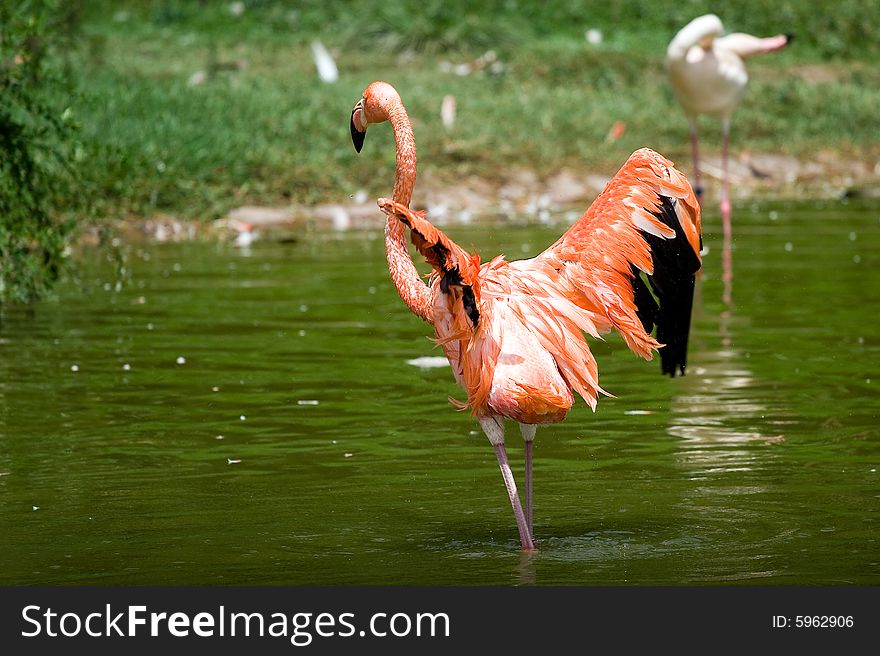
357 137
789 37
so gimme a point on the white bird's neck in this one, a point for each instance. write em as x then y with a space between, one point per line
699 32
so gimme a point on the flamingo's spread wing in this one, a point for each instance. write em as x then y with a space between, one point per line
454 267
647 220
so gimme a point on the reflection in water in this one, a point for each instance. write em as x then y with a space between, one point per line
727 267
526 567
717 423
716 419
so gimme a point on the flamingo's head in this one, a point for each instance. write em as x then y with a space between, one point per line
374 107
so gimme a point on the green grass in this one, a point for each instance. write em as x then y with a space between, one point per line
271 133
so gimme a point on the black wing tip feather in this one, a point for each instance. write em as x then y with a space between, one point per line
672 283
673 359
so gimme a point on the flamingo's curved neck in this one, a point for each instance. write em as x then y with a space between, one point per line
404 274
405 177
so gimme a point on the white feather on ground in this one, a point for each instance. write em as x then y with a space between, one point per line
327 70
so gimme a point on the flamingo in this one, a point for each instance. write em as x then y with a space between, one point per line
709 77
513 332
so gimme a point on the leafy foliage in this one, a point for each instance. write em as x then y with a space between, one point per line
36 147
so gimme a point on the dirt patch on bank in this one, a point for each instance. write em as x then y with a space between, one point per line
524 196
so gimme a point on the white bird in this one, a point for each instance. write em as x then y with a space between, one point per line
709 77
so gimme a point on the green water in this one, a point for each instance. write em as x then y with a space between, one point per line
341 463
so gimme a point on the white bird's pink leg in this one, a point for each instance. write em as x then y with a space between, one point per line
695 153
494 429
727 256
725 179
528 432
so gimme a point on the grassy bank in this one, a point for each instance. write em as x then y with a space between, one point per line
262 129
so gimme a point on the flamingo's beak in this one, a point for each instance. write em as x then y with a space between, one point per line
776 42
357 129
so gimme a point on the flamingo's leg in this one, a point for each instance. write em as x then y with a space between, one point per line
695 153
727 255
528 432
494 429
725 179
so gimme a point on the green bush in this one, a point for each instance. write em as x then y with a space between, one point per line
37 147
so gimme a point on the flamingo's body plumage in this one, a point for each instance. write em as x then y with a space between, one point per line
514 331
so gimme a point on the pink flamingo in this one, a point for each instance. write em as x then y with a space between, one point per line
709 77
513 332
